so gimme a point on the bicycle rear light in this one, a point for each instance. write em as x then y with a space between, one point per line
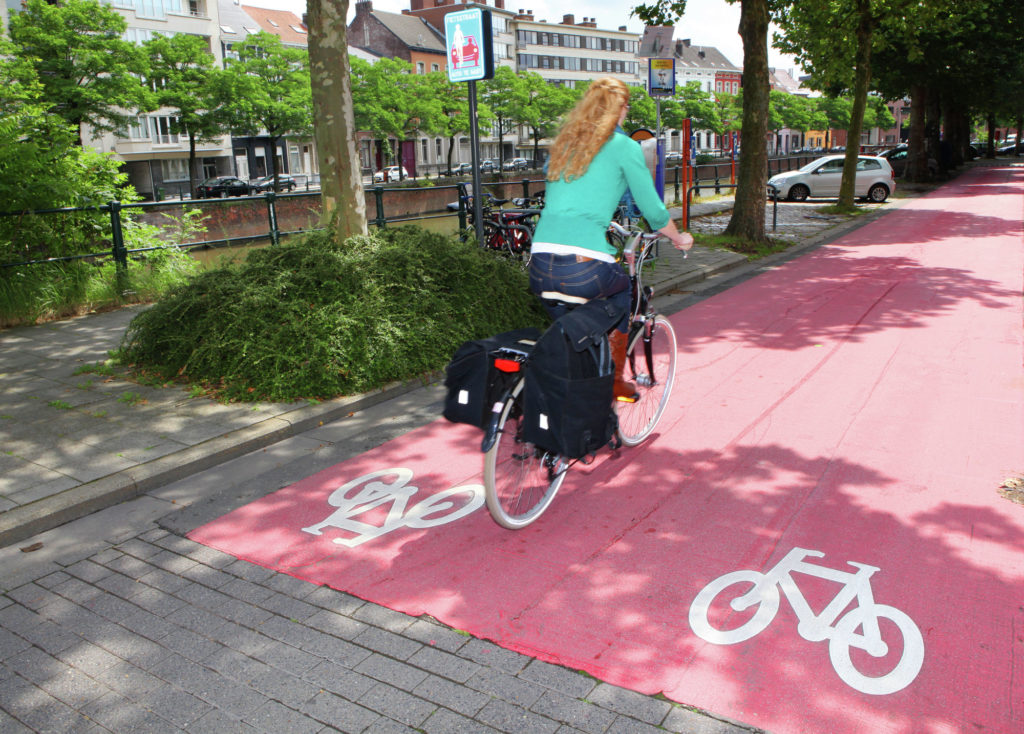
506 365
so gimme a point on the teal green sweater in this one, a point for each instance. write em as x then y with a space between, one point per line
577 212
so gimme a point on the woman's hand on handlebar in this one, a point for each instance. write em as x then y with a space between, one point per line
682 241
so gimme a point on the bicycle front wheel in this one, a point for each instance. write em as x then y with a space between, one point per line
651 366
520 479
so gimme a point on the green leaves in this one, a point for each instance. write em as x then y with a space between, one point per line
87 72
267 88
315 319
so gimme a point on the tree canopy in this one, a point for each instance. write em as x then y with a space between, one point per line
88 74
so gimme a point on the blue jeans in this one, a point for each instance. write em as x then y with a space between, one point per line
581 277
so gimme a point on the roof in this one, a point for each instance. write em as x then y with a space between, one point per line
284 24
783 79
703 57
235 25
414 32
363 54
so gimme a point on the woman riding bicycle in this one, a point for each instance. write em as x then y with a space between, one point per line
593 162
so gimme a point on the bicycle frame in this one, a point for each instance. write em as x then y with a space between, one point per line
818 627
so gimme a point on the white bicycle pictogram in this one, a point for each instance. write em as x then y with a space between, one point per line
842 634
371 493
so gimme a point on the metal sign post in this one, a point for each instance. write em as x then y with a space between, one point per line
469 41
661 82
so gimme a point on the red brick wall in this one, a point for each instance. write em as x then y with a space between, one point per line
242 218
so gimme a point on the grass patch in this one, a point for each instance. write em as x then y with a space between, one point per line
34 293
314 319
131 398
100 368
59 405
752 250
847 211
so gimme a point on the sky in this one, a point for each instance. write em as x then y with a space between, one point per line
706 22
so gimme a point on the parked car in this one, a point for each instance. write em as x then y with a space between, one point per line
673 159
462 169
821 178
1009 148
390 173
898 156
284 183
516 164
488 166
222 186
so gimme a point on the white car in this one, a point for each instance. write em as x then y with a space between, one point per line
821 179
390 173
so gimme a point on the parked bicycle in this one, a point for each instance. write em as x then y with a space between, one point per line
520 478
508 231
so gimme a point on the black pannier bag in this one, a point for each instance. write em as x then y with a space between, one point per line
567 407
473 383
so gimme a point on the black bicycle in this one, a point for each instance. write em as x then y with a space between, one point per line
520 478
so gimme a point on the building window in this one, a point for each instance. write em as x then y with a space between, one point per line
437 148
424 148
175 169
435 67
421 68
294 159
137 129
162 127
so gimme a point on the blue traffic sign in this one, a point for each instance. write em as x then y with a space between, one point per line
468 40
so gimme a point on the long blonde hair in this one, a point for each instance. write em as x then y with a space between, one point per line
586 128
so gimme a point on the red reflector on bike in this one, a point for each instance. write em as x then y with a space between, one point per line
506 365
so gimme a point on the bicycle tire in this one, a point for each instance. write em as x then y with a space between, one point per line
520 479
637 420
518 240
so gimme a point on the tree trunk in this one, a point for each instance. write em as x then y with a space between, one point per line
916 158
932 131
1019 149
862 77
341 181
451 149
990 145
747 220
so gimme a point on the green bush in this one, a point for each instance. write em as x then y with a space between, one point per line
315 319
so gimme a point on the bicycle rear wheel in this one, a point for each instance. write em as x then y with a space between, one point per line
518 239
520 479
651 366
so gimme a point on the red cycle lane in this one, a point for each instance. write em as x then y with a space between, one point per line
813 539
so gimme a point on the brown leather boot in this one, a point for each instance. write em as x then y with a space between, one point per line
624 391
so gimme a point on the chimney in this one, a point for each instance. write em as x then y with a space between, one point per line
364 6
589 23
499 4
569 19
622 28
